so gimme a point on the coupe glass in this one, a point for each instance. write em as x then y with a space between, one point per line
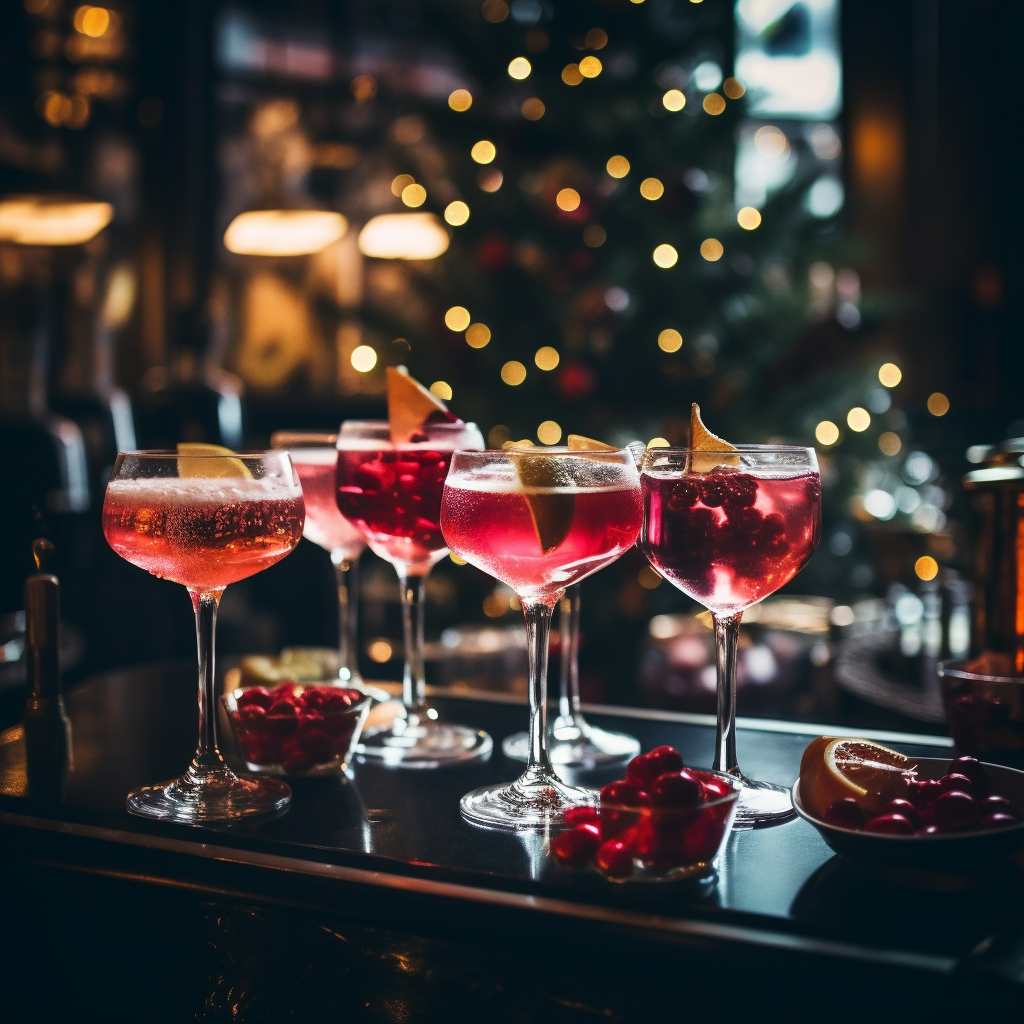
728 529
205 521
315 457
572 741
540 521
393 494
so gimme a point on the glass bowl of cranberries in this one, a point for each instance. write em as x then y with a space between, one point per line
296 729
957 817
662 822
984 701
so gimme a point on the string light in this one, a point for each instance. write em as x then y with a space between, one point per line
533 109
513 372
658 442
711 249
403 236
520 68
571 74
749 218
400 182
733 88
596 39
648 578
283 232
460 100
938 403
889 443
826 433
490 179
363 358
926 568
858 419
590 67
414 195
456 213
713 104
665 256
457 318
673 100
455 558
483 152
549 432
670 340
568 200
442 389
651 188
617 166
478 335
889 374
546 358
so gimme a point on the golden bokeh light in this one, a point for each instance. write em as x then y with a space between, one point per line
460 100
495 605
665 256
456 213
457 318
494 11
92 21
658 442
364 88
455 558
363 358
498 435
380 651
733 88
483 152
490 179
771 141
652 188
51 220
519 68
478 335
749 218
938 403
283 232
400 183
858 419
826 433
403 236
648 578
926 568
546 358
533 109
711 249
513 372
594 236
549 432
414 195
889 374
596 39
673 100
571 74
590 67
568 199
714 104
617 166
442 389
670 340
889 443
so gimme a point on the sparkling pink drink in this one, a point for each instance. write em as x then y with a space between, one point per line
730 538
325 525
202 532
495 529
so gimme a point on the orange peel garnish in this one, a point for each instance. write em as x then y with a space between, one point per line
410 405
702 440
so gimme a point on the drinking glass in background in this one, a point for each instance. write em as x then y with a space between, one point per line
315 457
573 742
393 494
205 521
538 520
729 528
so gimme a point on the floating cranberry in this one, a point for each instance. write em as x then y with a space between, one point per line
642 772
615 858
683 495
714 492
677 790
906 808
975 771
996 804
845 813
997 820
955 810
890 825
748 520
582 815
578 845
956 781
665 759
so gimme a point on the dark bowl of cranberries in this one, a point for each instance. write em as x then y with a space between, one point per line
957 817
662 822
295 729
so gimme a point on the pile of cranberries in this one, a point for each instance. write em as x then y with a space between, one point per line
961 801
297 728
661 815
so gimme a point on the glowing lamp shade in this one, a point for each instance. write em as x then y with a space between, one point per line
403 236
51 220
283 232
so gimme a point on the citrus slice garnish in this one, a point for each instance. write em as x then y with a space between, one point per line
579 443
198 460
410 405
834 768
702 440
552 513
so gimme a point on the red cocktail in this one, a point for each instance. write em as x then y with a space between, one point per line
325 525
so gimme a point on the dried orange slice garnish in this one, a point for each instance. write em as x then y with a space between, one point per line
835 768
579 443
410 405
552 512
702 440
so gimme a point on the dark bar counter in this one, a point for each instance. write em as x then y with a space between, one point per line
371 899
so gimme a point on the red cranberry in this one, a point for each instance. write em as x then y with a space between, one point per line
923 792
956 781
251 716
845 813
996 804
295 759
890 825
997 820
578 845
665 759
975 771
702 836
683 495
615 858
677 790
616 797
714 492
748 520
256 696
582 815
282 718
955 810
654 844
260 749
715 787
642 772
904 807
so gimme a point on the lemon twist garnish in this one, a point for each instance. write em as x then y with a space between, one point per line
199 460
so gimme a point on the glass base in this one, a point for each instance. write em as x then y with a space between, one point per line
761 804
576 744
420 742
536 800
217 795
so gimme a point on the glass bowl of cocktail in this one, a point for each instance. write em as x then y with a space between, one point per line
539 520
205 517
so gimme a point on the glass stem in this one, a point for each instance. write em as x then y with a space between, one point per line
538 629
727 635
573 651
205 604
564 668
414 686
346 571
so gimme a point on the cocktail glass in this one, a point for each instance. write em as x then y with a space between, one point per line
728 529
315 457
572 741
539 521
393 494
205 521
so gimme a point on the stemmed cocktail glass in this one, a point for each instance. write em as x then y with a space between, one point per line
539 520
573 742
729 528
205 520
393 494
315 457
